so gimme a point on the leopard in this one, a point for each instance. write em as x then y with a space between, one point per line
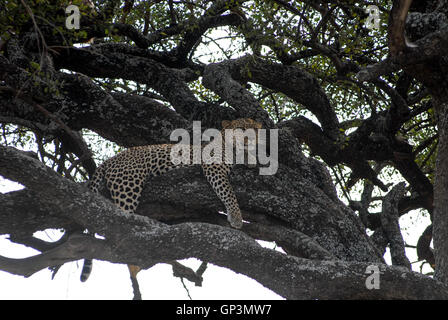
126 174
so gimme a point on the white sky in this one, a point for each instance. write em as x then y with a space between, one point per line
111 281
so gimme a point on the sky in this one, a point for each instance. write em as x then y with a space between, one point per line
111 281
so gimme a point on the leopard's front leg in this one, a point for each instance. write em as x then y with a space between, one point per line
218 177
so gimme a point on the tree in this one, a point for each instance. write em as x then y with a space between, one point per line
352 105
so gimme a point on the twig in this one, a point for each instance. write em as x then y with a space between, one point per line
185 287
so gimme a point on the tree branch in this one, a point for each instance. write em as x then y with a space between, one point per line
396 26
290 80
391 227
141 241
75 248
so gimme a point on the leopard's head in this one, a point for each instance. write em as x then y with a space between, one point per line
244 133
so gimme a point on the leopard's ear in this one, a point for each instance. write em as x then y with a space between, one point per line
226 123
255 124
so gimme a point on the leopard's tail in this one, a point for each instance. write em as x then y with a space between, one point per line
94 186
86 269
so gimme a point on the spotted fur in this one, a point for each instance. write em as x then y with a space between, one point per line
127 172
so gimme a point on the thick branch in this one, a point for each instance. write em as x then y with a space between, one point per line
333 153
396 27
424 251
141 241
123 118
218 78
116 62
75 248
290 80
391 227
366 143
